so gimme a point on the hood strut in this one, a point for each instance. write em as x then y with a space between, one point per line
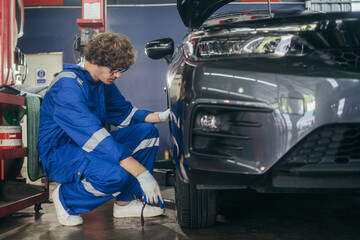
269 8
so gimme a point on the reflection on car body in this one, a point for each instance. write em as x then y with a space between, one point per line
269 104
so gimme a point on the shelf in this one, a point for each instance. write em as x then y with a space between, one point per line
16 196
91 23
12 99
13 153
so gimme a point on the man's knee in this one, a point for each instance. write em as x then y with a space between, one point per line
106 181
149 128
148 142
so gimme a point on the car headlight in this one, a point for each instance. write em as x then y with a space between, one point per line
219 48
276 45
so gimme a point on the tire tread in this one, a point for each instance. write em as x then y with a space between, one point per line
196 208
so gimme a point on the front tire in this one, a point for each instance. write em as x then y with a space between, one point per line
196 208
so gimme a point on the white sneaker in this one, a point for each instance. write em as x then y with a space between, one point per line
133 209
63 217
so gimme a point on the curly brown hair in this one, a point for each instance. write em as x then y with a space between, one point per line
111 49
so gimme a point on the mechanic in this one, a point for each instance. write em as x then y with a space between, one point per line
91 164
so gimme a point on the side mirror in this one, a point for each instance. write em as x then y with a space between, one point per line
160 48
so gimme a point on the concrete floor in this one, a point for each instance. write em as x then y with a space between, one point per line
247 216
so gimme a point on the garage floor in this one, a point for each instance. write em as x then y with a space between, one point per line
247 216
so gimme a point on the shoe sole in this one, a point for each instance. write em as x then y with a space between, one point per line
56 200
127 215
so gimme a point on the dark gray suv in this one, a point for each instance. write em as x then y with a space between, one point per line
261 101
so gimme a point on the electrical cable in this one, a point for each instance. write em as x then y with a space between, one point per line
142 215
75 41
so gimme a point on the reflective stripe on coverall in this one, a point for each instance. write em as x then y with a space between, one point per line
78 152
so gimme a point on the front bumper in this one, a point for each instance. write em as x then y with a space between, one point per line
326 159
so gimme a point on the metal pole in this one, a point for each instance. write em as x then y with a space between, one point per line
269 8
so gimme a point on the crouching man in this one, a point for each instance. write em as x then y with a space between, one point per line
91 164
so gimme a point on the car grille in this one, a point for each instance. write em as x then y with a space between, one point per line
233 136
331 148
348 59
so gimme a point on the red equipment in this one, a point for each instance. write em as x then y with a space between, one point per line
14 195
93 15
93 21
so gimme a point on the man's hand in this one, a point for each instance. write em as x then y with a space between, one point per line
158 117
164 116
150 188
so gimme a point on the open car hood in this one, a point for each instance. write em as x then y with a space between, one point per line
194 12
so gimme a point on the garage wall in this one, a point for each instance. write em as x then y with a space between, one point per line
52 29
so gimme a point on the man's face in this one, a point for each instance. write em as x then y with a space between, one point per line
107 75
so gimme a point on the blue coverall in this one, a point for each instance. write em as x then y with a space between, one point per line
78 152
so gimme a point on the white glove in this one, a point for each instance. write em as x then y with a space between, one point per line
164 116
150 188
